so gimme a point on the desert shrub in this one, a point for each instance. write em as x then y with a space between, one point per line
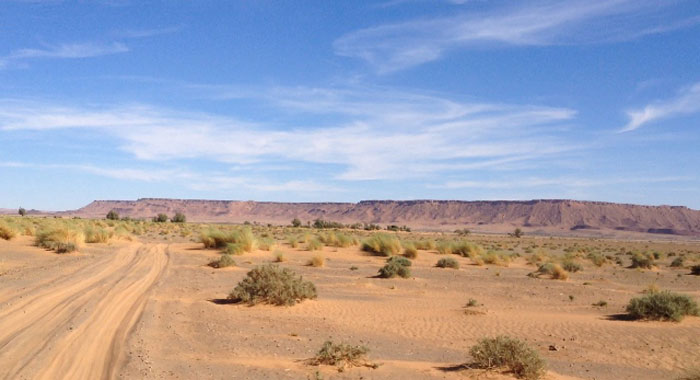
382 245
179 218
662 305
279 257
112 215
395 268
695 270
223 262
160 218
511 353
61 240
597 259
274 285
535 259
555 271
234 249
410 250
425 245
96 235
266 244
494 258
6 232
399 260
571 266
642 260
296 223
316 261
243 238
314 244
466 249
337 239
341 355
444 247
601 303
293 241
447 262
678 262
472 302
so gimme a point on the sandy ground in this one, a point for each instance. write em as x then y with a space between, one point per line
154 310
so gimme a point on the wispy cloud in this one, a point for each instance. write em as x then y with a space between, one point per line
64 51
558 182
397 46
144 33
687 102
370 133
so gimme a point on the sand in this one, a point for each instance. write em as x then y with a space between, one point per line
153 310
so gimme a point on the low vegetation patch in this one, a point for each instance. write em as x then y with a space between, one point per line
663 306
695 270
571 266
223 262
6 232
342 356
555 271
396 266
243 239
447 262
274 285
314 244
316 261
61 240
409 250
382 245
642 260
96 235
510 353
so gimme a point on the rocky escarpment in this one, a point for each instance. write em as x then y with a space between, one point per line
563 215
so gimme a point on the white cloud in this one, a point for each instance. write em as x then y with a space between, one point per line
369 133
557 182
687 102
64 51
393 47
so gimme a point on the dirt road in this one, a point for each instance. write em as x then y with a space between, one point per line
73 326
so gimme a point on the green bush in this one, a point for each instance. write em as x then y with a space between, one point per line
160 218
61 240
274 285
395 268
597 259
243 238
466 249
571 266
223 262
444 247
179 218
341 355
447 262
642 260
399 260
112 215
314 245
511 353
410 250
96 235
382 245
678 262
662 305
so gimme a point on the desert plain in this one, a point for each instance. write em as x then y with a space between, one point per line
140 301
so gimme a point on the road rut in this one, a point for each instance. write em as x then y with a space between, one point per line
75 326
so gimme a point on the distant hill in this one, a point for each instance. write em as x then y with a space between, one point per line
494 216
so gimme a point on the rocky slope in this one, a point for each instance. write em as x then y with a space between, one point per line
545 215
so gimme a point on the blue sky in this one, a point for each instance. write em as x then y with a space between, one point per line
344 101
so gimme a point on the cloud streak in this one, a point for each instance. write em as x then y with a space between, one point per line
687 102
393 47
367 133
63 51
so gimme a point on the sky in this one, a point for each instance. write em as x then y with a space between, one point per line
321 100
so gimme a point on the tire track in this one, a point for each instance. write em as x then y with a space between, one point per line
76 328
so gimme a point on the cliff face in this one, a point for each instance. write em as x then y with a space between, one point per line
565 215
